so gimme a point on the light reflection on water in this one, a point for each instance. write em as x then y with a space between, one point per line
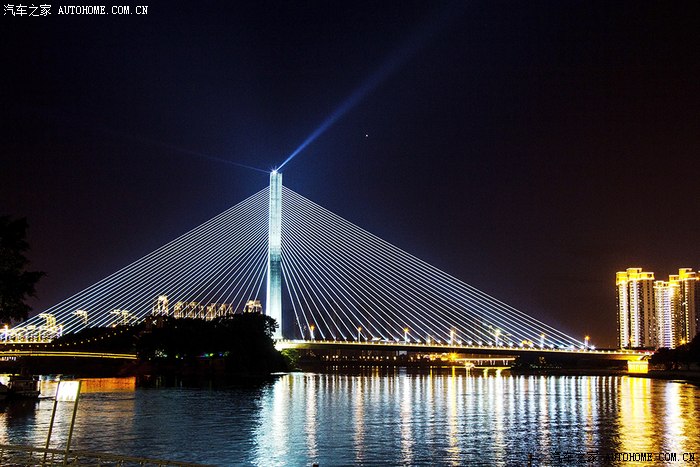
397 418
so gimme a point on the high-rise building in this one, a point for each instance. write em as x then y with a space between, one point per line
667 303
689 302
677 303
636 318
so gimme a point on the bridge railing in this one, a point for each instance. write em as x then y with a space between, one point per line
11 455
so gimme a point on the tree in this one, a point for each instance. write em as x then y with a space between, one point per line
16 284
680 357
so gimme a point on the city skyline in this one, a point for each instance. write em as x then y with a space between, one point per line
531 151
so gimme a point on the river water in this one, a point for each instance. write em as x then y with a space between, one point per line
380 418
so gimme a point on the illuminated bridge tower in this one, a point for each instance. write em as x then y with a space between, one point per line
273 303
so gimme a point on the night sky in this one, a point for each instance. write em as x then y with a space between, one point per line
531 149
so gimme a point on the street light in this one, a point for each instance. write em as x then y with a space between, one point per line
452 337
311 328
496 334
405 335
359 333
542 341
587 341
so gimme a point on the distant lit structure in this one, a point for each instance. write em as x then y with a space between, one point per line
161 308
124 317
253 306
191 309
677 302
199 310
50 329
83 315
636 320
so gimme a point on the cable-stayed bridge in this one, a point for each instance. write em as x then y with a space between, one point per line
320 276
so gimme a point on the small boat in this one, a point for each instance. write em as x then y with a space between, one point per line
23 387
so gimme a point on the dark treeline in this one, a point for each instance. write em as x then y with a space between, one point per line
16 283
679 358
241 344
237 345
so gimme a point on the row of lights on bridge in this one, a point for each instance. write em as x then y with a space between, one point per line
453 341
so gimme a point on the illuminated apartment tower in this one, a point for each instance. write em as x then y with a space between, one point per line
689 291
667 304
636 322
677 303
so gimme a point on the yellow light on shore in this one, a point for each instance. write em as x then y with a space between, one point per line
638 367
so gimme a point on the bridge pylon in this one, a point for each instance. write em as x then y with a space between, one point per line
273 302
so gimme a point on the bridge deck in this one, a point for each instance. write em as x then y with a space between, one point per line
474 350
4 354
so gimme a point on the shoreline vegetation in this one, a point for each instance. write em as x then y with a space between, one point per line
235 347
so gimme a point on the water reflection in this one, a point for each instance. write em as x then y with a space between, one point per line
310 425
499 420
636 423
376 417
453 453
359 420
658 417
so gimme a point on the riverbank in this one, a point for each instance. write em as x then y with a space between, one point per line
416 368
688 376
